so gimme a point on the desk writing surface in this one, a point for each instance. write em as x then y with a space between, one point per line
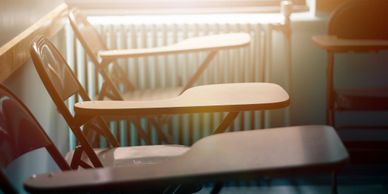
236 155
334 44
234 97
204 43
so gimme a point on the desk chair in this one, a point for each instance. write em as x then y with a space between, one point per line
21 133
240 155
359 26
62 84
115 76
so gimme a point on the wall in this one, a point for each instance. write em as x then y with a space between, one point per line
16 16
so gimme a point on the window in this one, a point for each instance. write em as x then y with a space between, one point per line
185 6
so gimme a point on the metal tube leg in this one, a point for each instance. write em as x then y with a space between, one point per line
217 188
334 188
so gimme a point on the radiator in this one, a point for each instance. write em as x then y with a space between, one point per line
237 65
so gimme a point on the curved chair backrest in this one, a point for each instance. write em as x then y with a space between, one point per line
61 83
56 75
360 19
92 42
54 71
86 34
20 132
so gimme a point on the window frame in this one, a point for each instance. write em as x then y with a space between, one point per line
183 6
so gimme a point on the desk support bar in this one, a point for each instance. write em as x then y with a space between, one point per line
329 88
158 126
226 122
200 70
144 135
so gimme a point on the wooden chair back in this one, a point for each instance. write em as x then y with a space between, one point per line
86 34
61 84
115 77
20 132
360 19
56 75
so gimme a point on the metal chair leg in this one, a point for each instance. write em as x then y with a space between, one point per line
217 188
334 188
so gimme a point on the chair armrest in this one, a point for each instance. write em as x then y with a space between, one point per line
228 156
234 97
203 43
334 44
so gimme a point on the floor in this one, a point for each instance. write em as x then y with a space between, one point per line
354 179
319 189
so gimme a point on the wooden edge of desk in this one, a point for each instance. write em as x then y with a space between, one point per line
233 97
316 148
16 52
334 44
195 44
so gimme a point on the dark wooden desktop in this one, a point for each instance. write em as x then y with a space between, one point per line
227 156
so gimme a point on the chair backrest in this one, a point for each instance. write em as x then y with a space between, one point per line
20 132
56 75
86 34
360 19
61 83
116 76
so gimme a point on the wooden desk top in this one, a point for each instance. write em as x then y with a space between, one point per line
226 156
203 43
234 97
334 44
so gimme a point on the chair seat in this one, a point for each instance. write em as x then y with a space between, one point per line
372 99
153 94
135 155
